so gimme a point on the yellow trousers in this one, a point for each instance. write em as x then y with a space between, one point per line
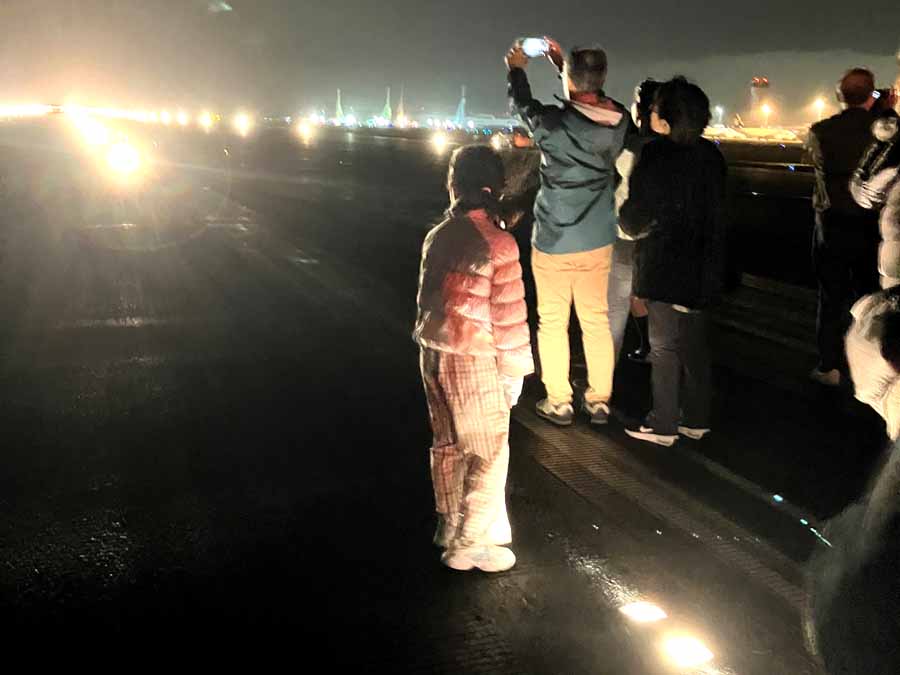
582 279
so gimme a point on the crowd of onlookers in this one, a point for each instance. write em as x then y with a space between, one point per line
629 221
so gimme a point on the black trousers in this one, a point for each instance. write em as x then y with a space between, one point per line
845 258
682 371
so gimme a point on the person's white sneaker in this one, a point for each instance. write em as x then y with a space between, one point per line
693 433
561 415
648 434
830 378
498 534
486 557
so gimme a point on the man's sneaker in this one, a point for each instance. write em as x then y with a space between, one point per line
829 378
598 412
562 414
487 558
693 433
647 434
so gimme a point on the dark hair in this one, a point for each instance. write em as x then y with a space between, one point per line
644 96
685 107
856 86
587 69
472 169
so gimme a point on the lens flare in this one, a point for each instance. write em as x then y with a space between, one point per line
686 652
643 612
124 159
440 141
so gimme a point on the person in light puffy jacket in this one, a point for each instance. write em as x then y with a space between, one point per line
472 330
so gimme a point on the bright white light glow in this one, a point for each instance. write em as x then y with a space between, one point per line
440 141
686 652
183 118
92 131
305 129
643 612
165 117
124 159
27 110
350 121
243 123
496 143
471 124
403 121
206 121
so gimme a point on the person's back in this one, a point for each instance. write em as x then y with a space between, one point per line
681 261
579 140
575 206
842 139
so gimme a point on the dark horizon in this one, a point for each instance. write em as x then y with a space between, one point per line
278 56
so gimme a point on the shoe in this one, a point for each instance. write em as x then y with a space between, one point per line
598 412
829 378
498 534
486 557
647 434
693 433
561 415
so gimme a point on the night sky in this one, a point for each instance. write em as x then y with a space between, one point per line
280 55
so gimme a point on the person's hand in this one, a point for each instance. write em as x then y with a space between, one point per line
516 58
555 53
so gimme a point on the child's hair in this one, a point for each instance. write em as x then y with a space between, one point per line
685 107
644 96
477 177
586 69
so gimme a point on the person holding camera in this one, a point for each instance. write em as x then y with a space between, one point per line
575 220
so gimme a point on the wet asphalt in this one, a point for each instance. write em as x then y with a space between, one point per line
212 425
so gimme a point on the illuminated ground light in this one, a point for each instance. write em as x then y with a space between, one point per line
165 117
183 118
643 612
440 141
686 652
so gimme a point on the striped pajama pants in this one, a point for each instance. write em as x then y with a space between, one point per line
470 451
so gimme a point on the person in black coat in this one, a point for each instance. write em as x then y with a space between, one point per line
675 210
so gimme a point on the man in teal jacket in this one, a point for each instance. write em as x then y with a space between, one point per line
575 222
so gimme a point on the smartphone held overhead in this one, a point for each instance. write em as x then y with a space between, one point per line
535 47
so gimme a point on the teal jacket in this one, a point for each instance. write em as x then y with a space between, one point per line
575 206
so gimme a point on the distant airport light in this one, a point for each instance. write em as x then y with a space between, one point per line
124 159
206 121
440 141
471 125
686 652
766 110
26 110
183 118
165 117
350 121
643 612
497 143
819 105
305 129
243 123
93 132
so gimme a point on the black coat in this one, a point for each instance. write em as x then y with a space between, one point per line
676 210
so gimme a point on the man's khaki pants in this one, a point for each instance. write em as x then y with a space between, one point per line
582 278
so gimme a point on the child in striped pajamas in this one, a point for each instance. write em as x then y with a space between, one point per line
475 345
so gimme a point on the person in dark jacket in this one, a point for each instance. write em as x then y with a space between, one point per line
845 239
575 222
675 210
